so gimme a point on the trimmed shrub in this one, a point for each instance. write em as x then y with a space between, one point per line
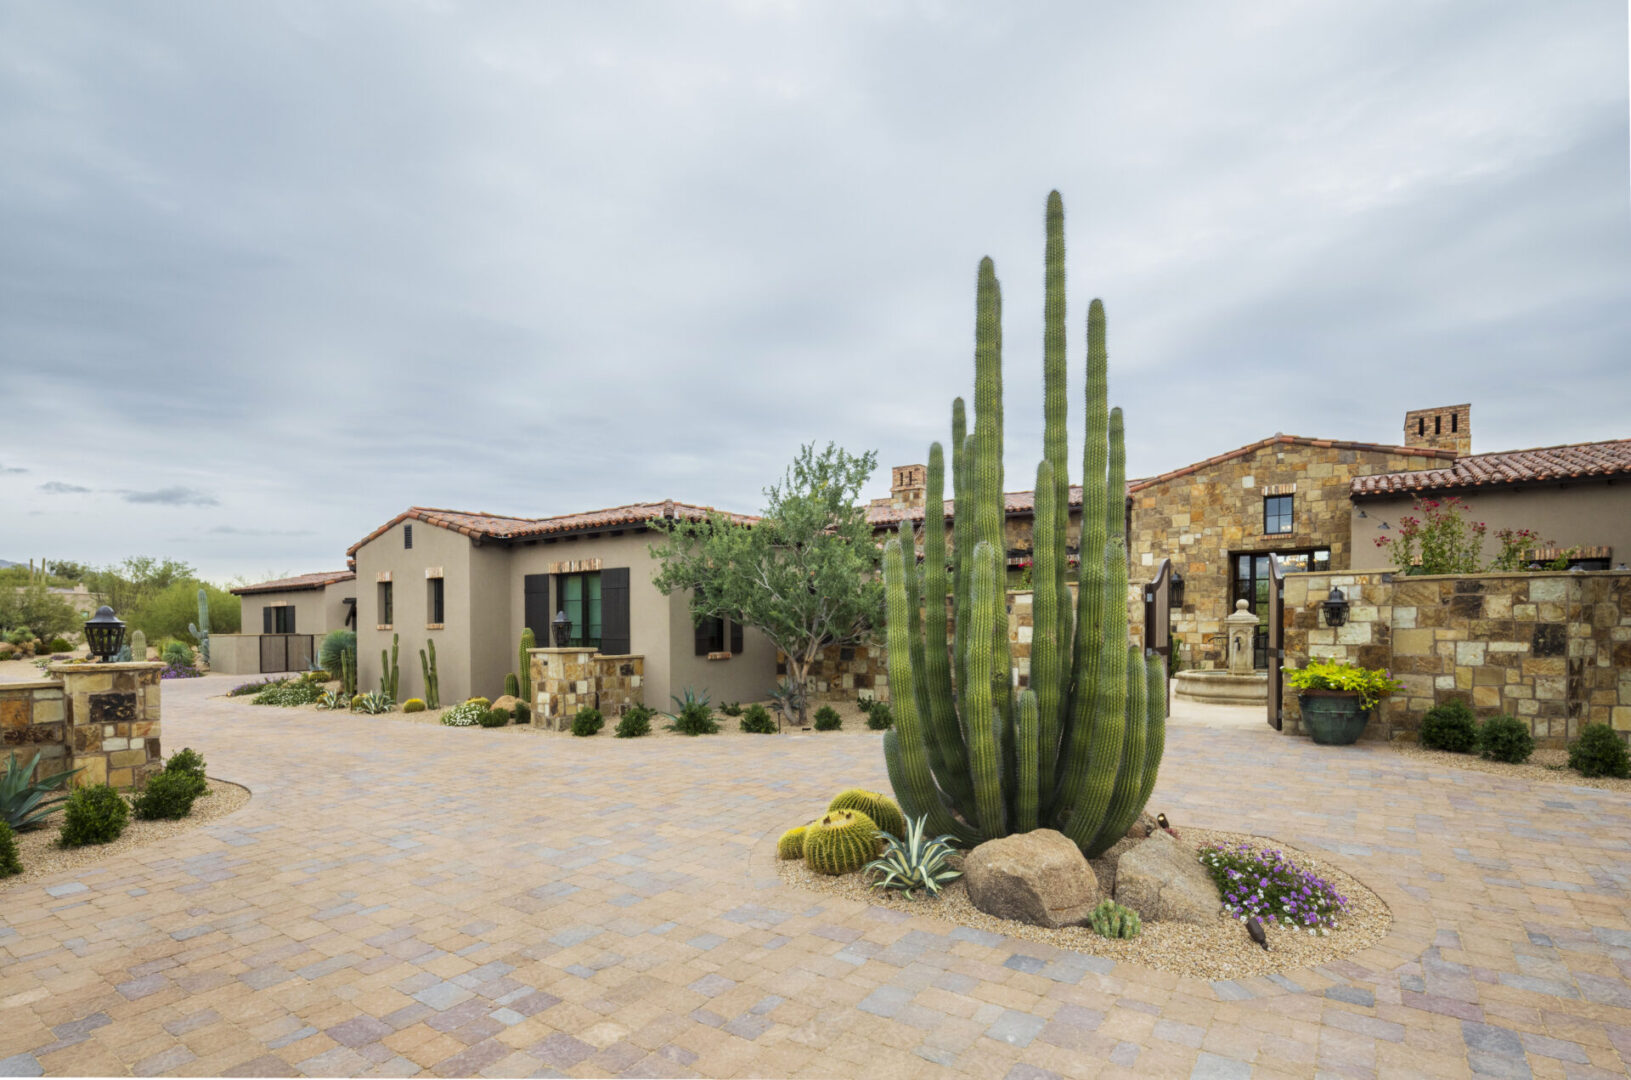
494 718
1599 752
189 763
166 796
96 814
827 719
635 722
413 704
695 718
587 722
878 716
1503 738
731 708
1450 726
756 720
522 713
9 863
60 644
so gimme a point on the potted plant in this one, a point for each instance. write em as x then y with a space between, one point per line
1337 698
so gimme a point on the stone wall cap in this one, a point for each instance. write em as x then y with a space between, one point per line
102 669
32 684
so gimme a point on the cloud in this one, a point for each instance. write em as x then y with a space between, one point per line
57 487
8 469
234 530
172 496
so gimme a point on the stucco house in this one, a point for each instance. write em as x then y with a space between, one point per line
283 621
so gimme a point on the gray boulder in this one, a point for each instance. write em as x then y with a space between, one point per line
1161 879
1039 877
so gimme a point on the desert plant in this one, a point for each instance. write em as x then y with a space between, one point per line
483 702
1371 684
1450 726
695 718
316 675
177 652
24 803
200 630
521 713
95 814
376 702
180 671
9 863
1505 738
166 796
827 719
254 687
512 685
413 704
635 722
348 673
911 862
189 763
529 641
840 842
1599 751
587 722
356 701
756 720
60 644
1265 884
1111 920
433 682
333 699
790 701
878 716
1079 749
791 844
467 714
731 708
334 644
494 718
294 692
880 808
388 673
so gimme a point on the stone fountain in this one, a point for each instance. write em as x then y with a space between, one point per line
1241 684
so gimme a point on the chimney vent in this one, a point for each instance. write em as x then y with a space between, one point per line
1448 427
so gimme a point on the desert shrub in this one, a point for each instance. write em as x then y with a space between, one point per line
587 722
60 644
19 636
1503 738
466 715
166 796
288 694
1266 884
177 652
1450 726
413 704
695 718
1599 752
9 863
827 719
95 814
189 763
494 718
731 708
635 722
522 713
254 687
756 720
878 716
334 643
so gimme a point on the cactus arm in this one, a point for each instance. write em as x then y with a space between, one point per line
1115 509
1156 739
433 687
1124 802
980 713
1091 776
1055 411
932 674
1028 749
529 641
1047 658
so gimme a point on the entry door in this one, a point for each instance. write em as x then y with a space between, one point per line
1251 584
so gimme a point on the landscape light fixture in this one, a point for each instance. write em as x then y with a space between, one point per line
1175 591
1336 608
563 629
104 633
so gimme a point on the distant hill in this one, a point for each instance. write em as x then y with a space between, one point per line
4 564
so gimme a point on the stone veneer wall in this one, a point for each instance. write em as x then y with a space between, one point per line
618 682
566 680
100 718
1552 649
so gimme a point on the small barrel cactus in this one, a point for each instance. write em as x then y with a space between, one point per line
1111 920
791 845
413 704
840 842
884 811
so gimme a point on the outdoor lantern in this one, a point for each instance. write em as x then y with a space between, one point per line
1336 608
104 633
563 629
1175 591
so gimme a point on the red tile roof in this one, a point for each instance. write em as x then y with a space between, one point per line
1547 463
296 583
485 526
1297 440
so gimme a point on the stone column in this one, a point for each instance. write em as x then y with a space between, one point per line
113 721
1242 626
563 681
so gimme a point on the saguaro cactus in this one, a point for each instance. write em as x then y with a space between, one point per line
201 629
1078 750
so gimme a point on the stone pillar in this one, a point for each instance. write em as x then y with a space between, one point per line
563 681
1242 628
113 721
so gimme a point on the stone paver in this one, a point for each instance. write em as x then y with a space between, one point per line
401 899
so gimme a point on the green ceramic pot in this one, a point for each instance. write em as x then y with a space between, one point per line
1333 717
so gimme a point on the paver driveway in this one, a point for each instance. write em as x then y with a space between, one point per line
401 897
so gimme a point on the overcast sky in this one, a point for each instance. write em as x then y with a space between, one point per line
272 272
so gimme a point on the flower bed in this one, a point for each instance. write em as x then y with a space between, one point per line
1264 883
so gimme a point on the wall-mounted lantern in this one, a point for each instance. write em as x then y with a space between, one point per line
1175 591
1336 608
104 633
563 629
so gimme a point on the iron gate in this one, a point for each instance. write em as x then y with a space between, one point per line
1158 619
1276 647
285 652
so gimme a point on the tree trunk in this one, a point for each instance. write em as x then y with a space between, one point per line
798 676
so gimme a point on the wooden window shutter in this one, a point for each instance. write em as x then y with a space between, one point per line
266 620
704 629
736 636
614 611
290 610
536 613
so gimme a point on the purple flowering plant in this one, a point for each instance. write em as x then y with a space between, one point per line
180 671
1266 884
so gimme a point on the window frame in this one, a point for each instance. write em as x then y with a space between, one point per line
1286 513
435 601
580 638
386 599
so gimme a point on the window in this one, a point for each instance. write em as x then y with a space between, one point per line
407 536
278 619
1251 584
1277 514
433 600
580 599
386 607
716 634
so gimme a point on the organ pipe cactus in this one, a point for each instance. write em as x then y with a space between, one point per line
529 641
200 630
388 675
433 686
1078 750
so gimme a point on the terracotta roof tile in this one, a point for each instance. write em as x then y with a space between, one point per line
296 583
1509 467
485 526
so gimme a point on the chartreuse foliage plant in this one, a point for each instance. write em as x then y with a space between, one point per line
1078 750
1371 684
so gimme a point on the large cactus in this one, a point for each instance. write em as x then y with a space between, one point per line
200 630
529 641
433 686
1079 749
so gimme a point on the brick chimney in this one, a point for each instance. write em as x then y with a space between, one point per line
907 486
1448 427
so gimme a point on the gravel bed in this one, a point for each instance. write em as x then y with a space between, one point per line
38 851
1216 950
1546 766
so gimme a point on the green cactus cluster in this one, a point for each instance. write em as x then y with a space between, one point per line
884 811
840 842
138 646
348 673
200 630
1111 920
388 674
433 684
1079 748
529 641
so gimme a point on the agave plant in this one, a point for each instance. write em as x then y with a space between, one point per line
690 700
788 699
333 699
23 804
913 863
375 702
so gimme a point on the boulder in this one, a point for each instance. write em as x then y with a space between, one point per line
1161 879
1039 877
1143 826
507 703
1104 867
